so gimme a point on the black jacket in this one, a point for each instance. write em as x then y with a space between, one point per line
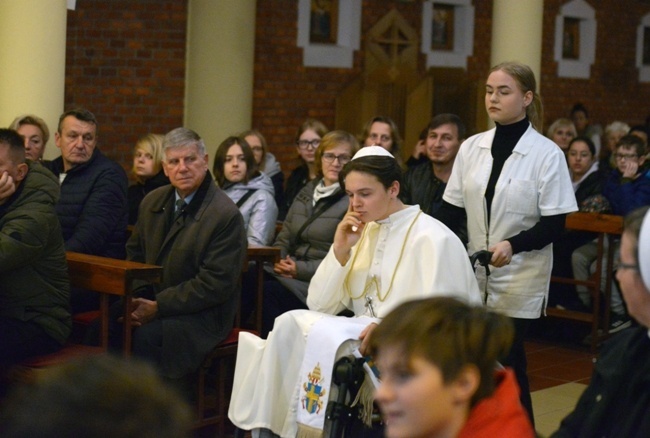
92 208
422 187
617 401
137 192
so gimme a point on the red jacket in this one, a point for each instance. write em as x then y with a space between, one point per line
500 414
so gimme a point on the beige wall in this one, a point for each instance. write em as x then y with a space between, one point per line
219 75
32 56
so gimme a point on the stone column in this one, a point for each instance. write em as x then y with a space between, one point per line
219 75
517 33
32 56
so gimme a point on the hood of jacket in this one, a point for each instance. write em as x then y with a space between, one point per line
271 165
261 182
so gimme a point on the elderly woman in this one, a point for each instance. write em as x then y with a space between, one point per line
235 171
562 131
384 253
35 132
613 133
147 170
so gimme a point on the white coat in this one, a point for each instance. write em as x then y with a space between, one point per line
534 182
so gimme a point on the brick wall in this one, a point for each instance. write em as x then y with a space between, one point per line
125 62
286 92
613 91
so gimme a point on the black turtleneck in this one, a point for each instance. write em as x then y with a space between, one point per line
547 230
505 140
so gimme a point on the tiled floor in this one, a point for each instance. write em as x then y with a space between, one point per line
557 374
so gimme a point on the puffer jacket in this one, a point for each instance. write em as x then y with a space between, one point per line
92 209
33 270
311 248
273 170
259 211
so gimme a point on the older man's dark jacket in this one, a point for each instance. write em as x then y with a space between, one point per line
202 253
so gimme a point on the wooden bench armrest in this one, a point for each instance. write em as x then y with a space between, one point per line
107 275
263 253
595 222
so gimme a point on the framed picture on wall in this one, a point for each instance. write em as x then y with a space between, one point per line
442 27
571 38
323 21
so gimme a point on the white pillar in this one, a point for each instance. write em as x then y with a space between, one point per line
517 33
219 75
32 60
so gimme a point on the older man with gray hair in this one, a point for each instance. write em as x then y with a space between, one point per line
196 233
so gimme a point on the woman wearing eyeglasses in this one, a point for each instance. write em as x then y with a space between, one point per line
308 138
308 230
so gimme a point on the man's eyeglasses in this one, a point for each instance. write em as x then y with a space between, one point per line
622 157
304 144
343 158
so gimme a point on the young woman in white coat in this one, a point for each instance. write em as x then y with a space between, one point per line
515 187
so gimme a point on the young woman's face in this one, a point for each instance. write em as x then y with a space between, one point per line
413 398
143 164
307 144
369 197
504 100
256 146
562 137
580 158
234 166
381 135
333 161
34 145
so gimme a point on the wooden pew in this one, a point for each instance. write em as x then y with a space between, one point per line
110 277
607 226
107 277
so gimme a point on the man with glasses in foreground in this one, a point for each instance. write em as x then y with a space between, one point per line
617 401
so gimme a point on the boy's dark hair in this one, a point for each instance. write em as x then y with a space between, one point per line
632 142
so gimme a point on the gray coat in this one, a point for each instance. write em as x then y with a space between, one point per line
201 253
315 241
259 211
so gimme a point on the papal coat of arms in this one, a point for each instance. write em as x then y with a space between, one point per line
313 388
